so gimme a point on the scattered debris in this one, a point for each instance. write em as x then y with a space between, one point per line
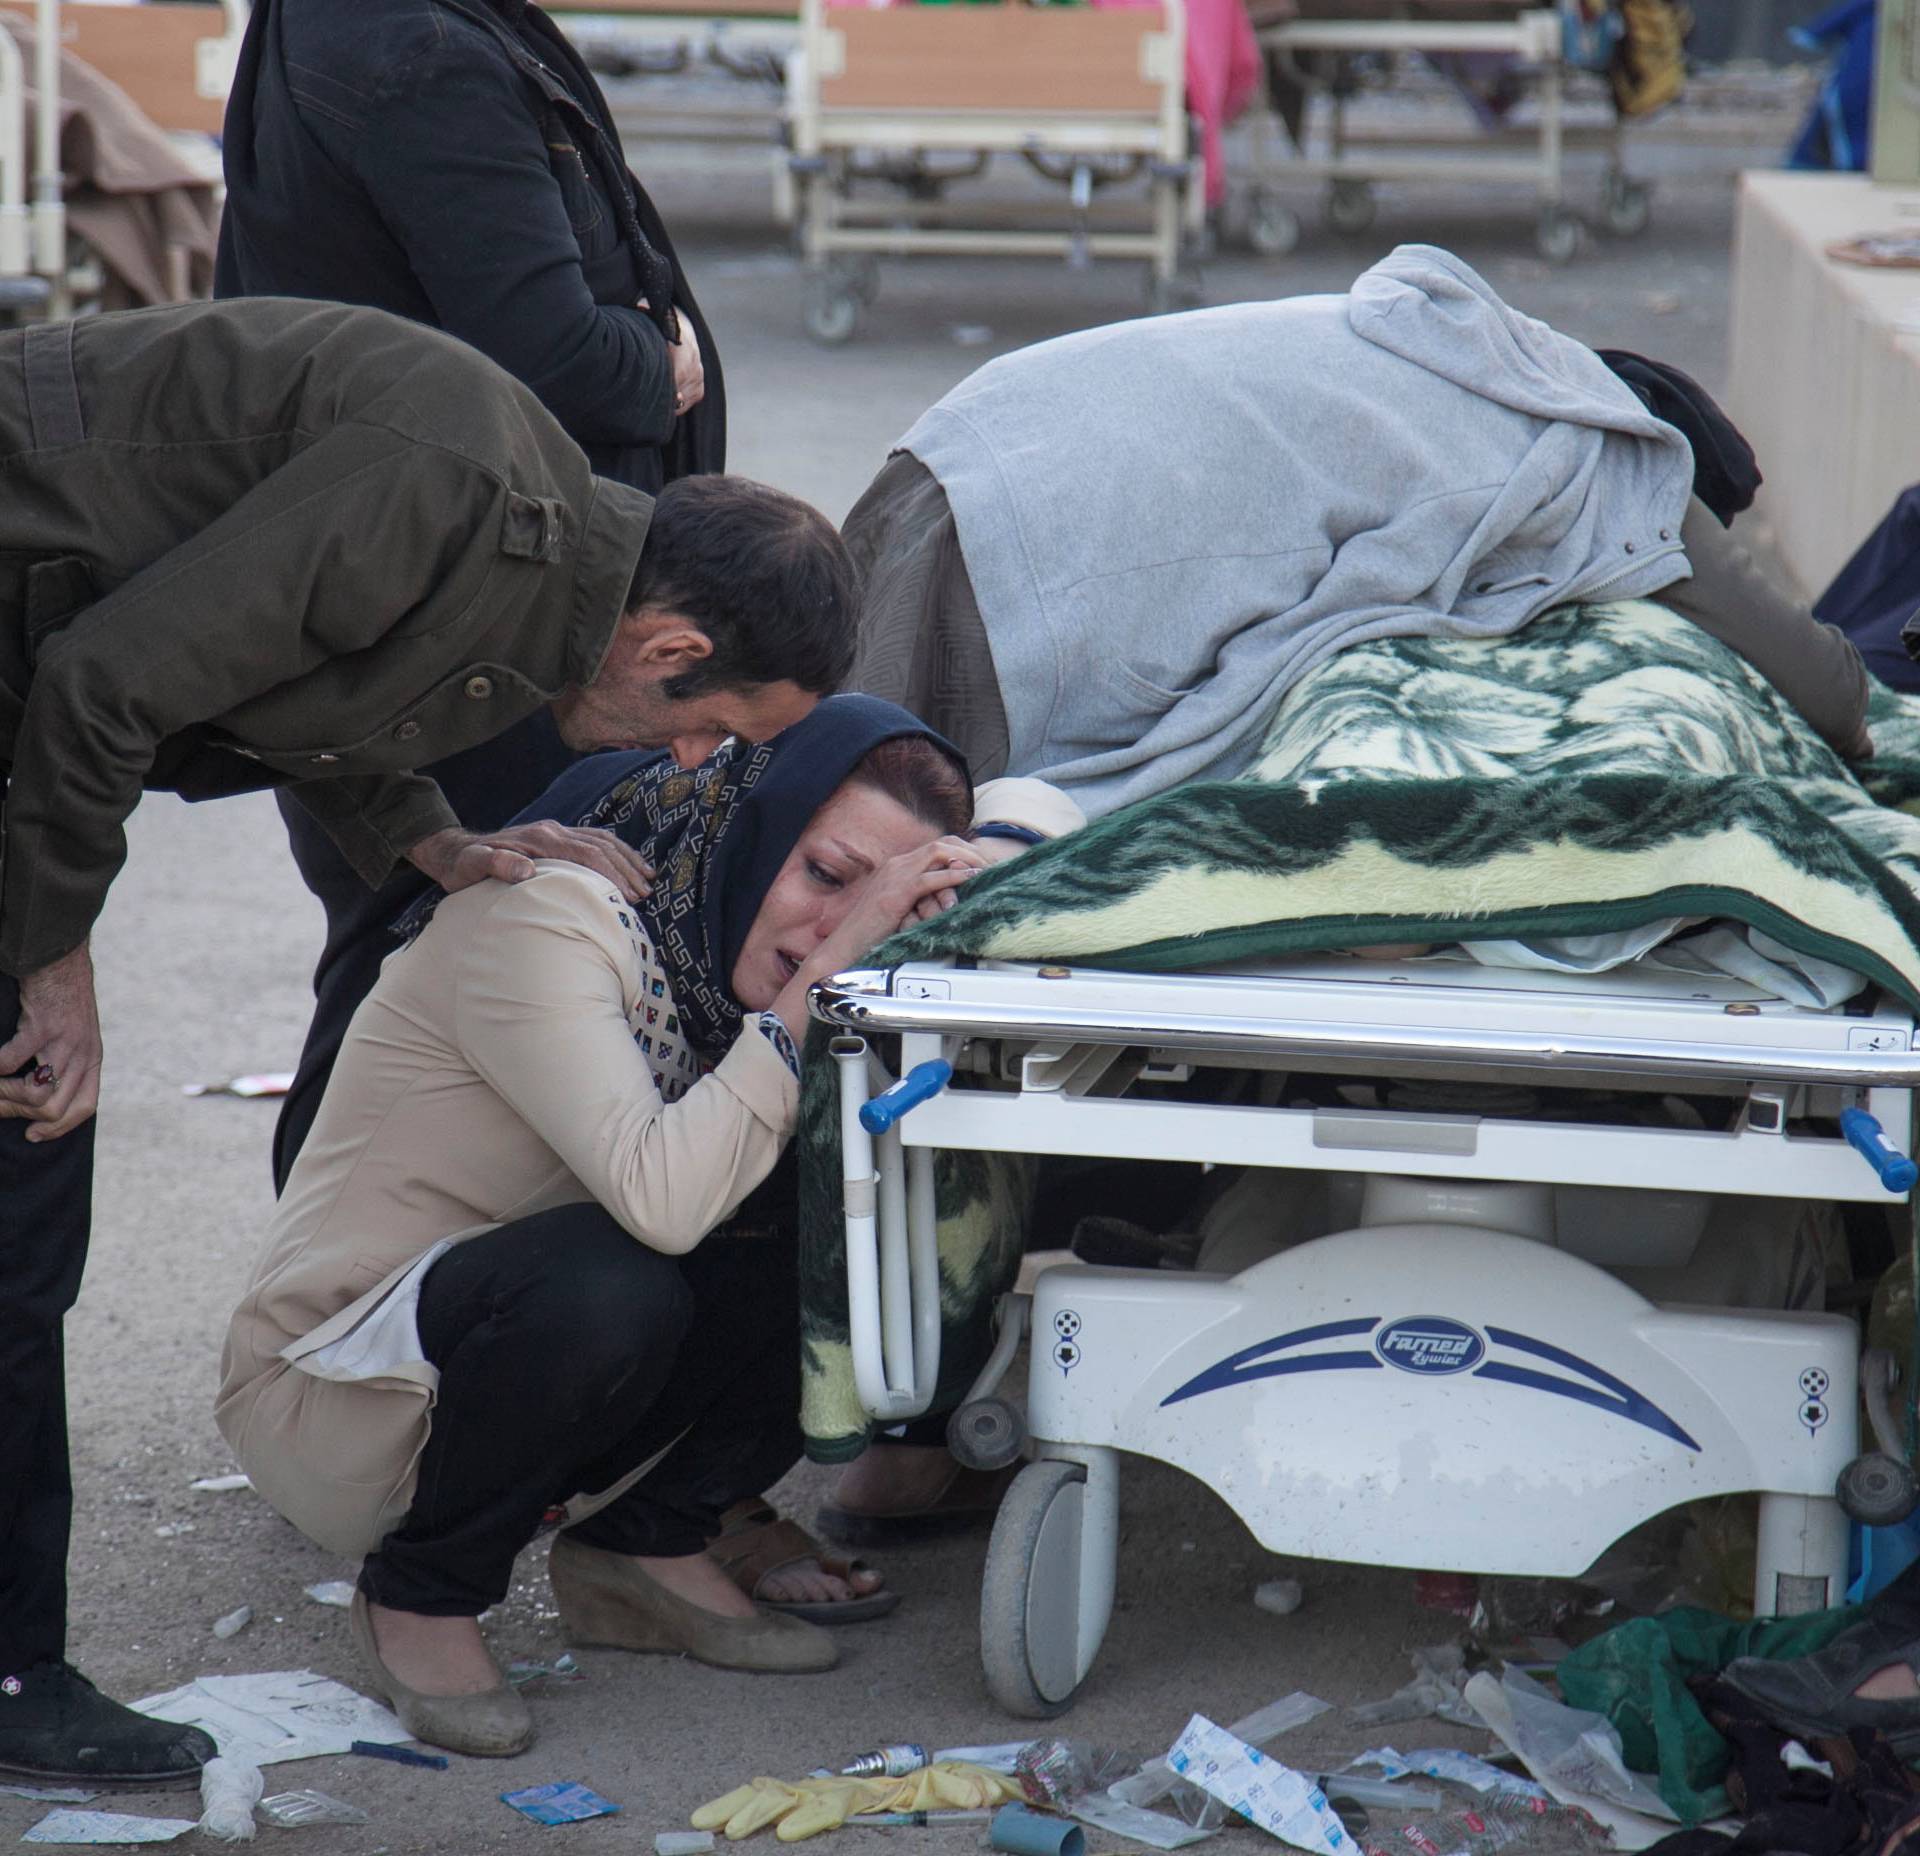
1154 1828
229 1789
106 1827
233 1623
221 1485
682 1842
172 1529
267 1083
1449 1763
562 1669
1023 1832
1283 1597
1575 1755
1440 1674
50 1794
400 1755
562 1803
285 1714
337 1592
1662 302
969 334
1285 1803
297 1810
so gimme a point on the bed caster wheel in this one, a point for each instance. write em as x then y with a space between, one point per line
1557 237
1030 1593
1626 206
832 311
986 1433
1877 1490
1273 228
1349 206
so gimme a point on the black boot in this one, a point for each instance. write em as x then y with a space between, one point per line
54 1724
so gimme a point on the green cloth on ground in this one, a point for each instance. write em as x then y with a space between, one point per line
1637 1675
1606 767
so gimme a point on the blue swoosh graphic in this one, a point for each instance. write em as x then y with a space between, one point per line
1271 1359
1253 1362
1606 1393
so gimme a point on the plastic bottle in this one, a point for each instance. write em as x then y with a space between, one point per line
886 1762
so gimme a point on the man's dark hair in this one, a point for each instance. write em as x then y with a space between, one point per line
763 574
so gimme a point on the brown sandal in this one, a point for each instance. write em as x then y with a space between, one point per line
754 1543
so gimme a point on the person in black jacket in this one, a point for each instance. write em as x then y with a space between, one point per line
454 161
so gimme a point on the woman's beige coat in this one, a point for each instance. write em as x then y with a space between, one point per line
493 1072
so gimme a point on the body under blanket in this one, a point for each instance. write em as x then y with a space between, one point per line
1607 767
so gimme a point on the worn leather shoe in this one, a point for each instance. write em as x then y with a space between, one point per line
494 1724
608 1601
54 1724
1812 1696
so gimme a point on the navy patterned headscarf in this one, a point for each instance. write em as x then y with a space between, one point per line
718 835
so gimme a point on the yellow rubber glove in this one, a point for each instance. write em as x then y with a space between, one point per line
953 1785
747 1808
802 1809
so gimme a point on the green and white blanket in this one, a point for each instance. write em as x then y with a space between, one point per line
1606 767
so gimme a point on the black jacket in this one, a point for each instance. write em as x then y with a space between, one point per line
453 161
273 543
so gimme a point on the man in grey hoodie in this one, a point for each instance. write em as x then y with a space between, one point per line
1104 559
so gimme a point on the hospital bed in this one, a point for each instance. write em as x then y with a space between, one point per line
924 98
1448 1371
1316 49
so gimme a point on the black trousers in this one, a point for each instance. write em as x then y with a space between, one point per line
46 1203
486 786
569 1354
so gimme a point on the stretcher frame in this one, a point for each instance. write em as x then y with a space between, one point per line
1355 162
1045 1060
1070 88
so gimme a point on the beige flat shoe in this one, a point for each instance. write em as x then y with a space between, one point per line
608 1602
494 1724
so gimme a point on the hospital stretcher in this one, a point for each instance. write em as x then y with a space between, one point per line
1449 1375
922 97
1315 48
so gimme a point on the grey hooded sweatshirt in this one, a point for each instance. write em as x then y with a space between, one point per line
1167 523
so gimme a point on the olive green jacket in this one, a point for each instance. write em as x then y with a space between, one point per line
266 543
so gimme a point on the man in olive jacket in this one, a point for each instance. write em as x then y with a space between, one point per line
273 543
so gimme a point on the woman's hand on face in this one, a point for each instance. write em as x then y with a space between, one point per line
925 880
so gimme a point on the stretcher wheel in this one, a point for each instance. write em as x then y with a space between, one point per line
1627 205
1349 205
832 311
1030 1593
986 1433
1557 237
1877 1490
1273 228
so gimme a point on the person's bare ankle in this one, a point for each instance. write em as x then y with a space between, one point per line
433 1656
695 1577
893 1478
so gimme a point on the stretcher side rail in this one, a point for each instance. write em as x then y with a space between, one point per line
861 1001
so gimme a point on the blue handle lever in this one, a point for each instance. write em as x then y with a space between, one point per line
1867 1138
919 1083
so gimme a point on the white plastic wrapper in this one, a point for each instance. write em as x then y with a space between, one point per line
75 1827
229 1789
1285 1803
